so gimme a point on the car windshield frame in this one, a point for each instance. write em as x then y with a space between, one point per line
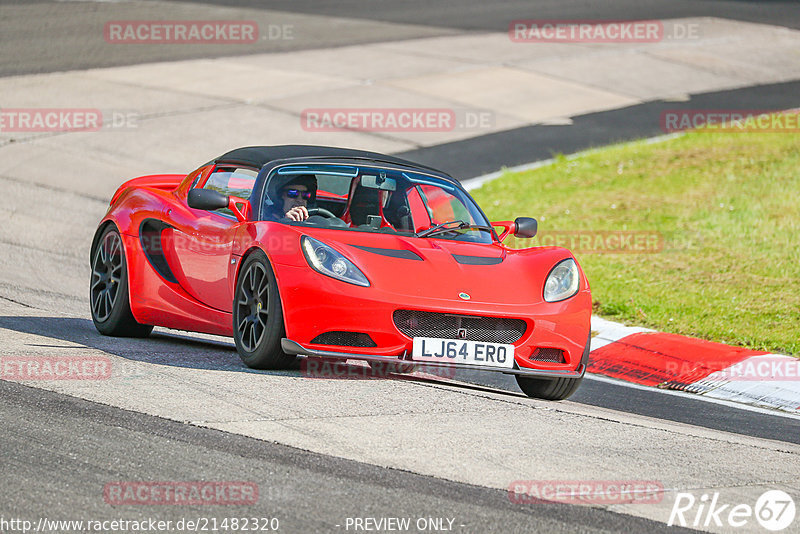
358 167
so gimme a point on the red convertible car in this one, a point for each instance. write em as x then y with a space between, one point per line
325 252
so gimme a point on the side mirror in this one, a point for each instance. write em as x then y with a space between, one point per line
206 199
521 227
525 227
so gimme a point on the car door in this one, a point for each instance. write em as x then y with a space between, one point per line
201 242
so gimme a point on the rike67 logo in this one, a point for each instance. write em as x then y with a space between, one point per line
774 510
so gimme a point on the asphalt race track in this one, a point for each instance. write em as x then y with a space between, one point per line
305 491
182 407
72 25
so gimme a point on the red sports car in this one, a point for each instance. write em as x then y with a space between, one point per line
334 253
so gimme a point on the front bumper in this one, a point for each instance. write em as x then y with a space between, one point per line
292 347
314 304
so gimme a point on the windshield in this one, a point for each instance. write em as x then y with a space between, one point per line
376 199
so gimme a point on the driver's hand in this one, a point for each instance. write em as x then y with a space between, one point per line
298 213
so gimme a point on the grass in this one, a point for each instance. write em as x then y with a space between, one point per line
728 208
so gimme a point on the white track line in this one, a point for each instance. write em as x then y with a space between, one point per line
678 393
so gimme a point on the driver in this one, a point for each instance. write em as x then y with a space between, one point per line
291 199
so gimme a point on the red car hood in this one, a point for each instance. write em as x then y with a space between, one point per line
440 268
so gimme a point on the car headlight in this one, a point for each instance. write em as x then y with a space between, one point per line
328 261
562 282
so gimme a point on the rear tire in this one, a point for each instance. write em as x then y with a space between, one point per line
109 299
258 317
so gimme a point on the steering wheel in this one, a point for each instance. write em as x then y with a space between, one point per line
321 212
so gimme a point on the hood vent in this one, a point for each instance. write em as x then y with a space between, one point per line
476 260
390 252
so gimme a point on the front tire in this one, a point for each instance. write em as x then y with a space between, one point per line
554 389
548 388
258 317
109 299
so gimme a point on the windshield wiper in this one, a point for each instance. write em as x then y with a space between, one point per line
450 226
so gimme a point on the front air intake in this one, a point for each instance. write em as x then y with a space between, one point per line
344 339
453 326
548 355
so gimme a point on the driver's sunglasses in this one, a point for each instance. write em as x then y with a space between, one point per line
294 193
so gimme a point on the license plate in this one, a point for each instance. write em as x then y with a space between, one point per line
463 351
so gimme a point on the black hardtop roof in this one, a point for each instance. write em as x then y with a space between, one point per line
258 156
